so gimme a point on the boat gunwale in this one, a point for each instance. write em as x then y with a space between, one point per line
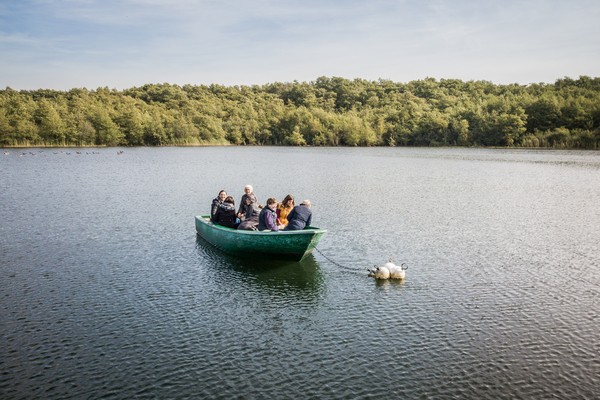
310 230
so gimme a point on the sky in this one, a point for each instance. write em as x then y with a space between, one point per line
65 44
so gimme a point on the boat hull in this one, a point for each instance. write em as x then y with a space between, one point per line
284 245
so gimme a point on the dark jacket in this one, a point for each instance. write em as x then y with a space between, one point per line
213 208
245 209
250 221
299 218
267 220
225 215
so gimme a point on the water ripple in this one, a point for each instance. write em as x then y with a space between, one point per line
108 293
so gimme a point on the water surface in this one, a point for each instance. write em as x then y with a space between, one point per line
106 292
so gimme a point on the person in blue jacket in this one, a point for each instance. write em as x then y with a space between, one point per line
300 217
267 219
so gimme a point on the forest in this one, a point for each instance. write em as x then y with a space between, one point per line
329 111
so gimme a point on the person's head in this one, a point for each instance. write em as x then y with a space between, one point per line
229 199
272 203
306 203
222 195
288 201
248 189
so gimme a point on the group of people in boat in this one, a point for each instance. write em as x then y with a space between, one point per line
274 216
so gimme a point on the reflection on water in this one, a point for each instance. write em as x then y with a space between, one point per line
302 279
389 283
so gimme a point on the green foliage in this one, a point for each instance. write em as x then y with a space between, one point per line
52 127
327 112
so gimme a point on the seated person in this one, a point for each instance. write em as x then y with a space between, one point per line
300 217
267 219
249 216
216 202
284 209
225 214
248 194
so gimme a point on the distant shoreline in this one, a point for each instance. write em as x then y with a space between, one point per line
8 148
327 112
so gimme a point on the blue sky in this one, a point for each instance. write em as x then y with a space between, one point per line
120 44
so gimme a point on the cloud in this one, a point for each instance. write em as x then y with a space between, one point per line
118 43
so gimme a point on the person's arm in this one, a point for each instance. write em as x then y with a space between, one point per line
270 221
309 220
291 215
242 208
213 210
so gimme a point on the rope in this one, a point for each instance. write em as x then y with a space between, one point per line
403 265
333 262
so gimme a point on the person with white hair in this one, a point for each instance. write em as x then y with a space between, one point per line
249 210
246 208
300 217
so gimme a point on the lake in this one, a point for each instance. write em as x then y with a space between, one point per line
106 291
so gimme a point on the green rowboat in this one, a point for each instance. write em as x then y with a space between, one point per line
283 245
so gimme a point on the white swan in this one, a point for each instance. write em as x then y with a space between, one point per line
380 272
398 271
389 270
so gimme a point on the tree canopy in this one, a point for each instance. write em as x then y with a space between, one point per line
326 112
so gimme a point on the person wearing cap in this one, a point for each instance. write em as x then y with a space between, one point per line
300 217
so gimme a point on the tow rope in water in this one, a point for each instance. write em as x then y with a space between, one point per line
332 261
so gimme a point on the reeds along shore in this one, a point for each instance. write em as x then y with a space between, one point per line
325 112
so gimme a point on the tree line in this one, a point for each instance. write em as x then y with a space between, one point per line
325 112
